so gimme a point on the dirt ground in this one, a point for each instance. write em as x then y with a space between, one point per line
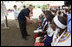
12 36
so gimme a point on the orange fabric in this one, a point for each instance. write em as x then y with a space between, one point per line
65 39
55 39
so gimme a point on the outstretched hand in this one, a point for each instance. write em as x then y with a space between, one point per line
34 21
28 20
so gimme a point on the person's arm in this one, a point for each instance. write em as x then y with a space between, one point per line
27 19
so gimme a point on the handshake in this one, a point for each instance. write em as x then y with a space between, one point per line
30 20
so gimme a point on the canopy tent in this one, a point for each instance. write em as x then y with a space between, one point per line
52 3
10 4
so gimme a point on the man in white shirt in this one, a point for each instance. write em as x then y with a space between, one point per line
16 15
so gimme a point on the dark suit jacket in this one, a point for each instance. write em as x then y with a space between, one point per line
23 13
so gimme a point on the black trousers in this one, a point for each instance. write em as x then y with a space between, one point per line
23 30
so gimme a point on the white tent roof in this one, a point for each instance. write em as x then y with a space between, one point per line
10 4
52 3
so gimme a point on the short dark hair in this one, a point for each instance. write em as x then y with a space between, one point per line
30 5
15 6
24 6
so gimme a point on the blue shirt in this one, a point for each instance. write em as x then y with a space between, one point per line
69 23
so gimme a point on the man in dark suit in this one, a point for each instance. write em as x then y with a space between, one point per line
22 17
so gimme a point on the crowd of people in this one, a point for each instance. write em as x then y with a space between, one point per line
54 26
